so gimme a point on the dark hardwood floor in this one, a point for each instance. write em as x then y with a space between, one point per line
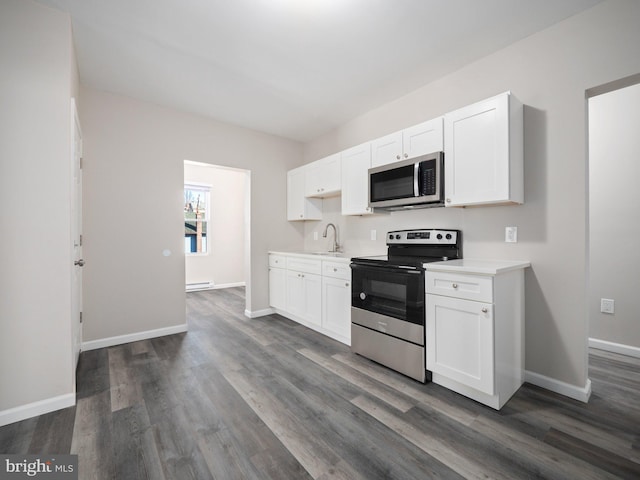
267 398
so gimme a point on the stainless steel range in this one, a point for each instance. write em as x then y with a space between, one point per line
388 298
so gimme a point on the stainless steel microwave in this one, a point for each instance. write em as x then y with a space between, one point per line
414 183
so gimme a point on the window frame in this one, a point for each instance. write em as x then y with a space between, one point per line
206 189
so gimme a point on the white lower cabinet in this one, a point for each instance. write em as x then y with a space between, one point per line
461 346
278 281
313 292
304 294
278 288
336 300
475 329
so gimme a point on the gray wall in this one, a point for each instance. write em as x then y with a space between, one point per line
549 72
614 198
133 208
37 81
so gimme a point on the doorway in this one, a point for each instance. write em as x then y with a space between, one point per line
613 202
217 245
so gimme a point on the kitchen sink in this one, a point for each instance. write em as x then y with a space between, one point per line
328 254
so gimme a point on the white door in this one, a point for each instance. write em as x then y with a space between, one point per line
76 234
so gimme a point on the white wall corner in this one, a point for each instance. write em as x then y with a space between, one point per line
614 347
133 337
34 409
572 391
258 313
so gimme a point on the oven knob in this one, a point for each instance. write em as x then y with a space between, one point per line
363 295
439 236
390 237
397 237
448 237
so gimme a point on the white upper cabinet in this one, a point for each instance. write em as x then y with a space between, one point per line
298 206
356 162
484 153
323 177
412 142
386 150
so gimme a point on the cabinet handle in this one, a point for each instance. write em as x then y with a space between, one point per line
397 157
406 155
335 269
448 200
455 285
346 284
300 215
485 310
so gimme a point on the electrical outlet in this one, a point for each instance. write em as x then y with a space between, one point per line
374 235
315 235
511 234
607 305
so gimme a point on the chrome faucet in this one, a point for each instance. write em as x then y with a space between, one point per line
336 246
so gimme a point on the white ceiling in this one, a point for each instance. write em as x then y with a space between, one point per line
294 68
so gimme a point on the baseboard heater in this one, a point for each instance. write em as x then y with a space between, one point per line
199 286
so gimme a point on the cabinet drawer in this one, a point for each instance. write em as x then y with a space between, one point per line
277 261
336 270
307 265
468 287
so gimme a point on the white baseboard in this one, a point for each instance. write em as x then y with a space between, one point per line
34 409
258 313
133 337
614 347
195 287
572 391
229 285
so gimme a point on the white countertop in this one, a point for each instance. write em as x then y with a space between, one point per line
478 266
336 257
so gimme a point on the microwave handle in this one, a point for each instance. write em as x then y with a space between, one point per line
416 175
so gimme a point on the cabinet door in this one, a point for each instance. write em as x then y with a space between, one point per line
312 298
477 153
423 138
459 339
277 288
304 296
312 179
336 306
298 206
323 177
356 162
387 149
295 293
331 175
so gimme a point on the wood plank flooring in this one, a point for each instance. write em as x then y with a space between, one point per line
239 398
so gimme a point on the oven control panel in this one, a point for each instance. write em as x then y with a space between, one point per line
426 236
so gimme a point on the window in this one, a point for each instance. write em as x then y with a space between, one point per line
196 218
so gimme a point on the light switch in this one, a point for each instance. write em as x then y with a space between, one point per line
374 235
511 234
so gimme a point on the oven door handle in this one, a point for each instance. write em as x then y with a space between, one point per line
391 268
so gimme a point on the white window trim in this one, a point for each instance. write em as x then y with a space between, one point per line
206 189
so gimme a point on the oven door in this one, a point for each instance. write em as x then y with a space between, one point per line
392 291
